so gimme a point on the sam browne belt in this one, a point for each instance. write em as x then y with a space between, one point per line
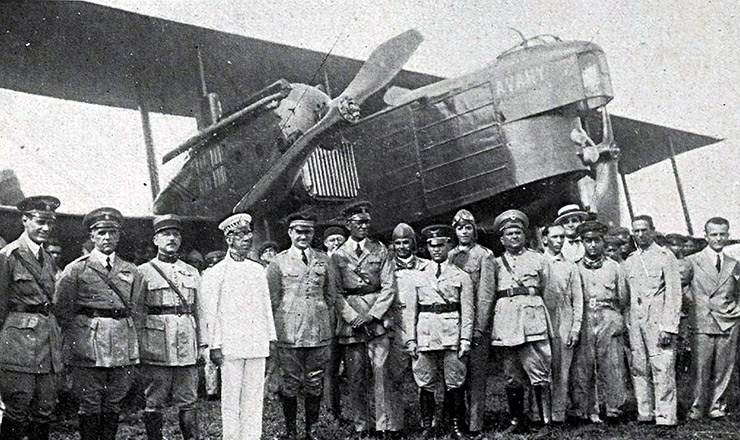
92 312
41 309
439 308
169 310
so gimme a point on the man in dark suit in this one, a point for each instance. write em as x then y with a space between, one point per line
31 354
713 315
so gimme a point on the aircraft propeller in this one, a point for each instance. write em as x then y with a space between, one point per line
381 67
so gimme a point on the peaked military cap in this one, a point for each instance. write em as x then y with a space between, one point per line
103 218
335 230
463 216
359 210
568 211
167 221
302 220
592 226
39 206
509 218
236 221
438 233
402 230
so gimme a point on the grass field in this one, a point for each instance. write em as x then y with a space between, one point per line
132 426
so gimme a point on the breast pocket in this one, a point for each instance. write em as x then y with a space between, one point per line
18 340
451 290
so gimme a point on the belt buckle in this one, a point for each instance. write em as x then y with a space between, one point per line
436 308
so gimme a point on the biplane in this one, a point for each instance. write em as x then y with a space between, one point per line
487 140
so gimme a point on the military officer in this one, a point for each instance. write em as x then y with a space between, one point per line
713 318
170 339
520 320
570 216
478 262
240 326
364 287
31 353
654 287
98 294
439 320
302 303
563 297
601 348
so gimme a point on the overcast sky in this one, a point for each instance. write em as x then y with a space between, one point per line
672 63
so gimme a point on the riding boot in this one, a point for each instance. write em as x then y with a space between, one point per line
515 396
313 405
290 409
189 424
427 406
544 405
39 431
108 426
153 424
89 426
457 399
12 430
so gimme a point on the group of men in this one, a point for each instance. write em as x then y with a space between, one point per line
556 321
569 325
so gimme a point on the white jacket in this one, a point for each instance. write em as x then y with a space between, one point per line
238 310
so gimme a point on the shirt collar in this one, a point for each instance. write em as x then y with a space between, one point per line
33 246
553 257
353 244
298 253
100 257
712 253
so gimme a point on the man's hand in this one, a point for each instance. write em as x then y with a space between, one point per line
573 338
360 321
202 352
477 338
464 348
217 356
412 349
666 339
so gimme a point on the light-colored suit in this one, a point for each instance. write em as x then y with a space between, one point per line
654 286
239 322
713 319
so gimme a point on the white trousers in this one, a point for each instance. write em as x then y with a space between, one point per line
242 391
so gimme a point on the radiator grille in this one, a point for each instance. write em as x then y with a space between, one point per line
332 174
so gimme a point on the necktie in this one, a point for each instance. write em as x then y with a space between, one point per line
108 266
439 270
41 257
358 250
304 257
719 264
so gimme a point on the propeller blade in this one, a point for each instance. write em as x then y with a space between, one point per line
287 166
383 65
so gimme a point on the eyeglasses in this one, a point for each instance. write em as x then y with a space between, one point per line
241 234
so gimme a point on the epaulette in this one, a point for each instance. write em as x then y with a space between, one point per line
254 260
80 258
10 247
283 252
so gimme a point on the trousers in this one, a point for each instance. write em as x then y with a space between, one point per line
162 382
242 392
27 396
713 361
365 364
653 374
101 389
530 361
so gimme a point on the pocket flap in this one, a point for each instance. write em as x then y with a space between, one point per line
155 324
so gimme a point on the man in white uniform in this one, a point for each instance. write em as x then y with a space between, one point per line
240 327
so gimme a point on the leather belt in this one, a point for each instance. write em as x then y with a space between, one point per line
365 290
439 308
41 309
512 291
169 310
92 312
